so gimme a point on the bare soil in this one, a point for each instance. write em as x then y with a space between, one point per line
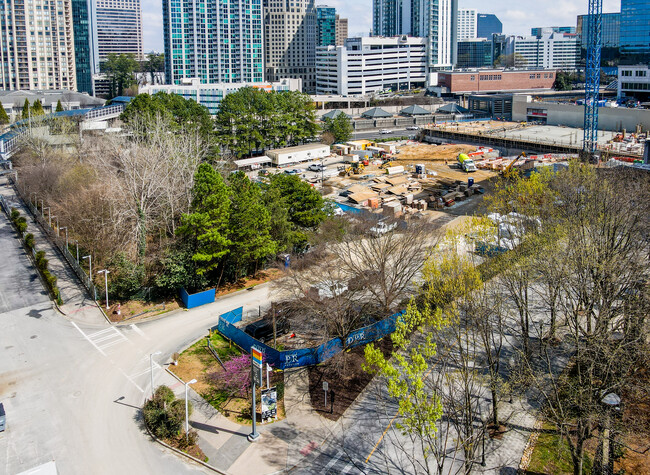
137 310
248 282
346 379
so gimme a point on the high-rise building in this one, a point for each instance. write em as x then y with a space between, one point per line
635 30
366 65
466 23
219 41
488 25
84 44
37 45
325 25
556 51
341 30
290 41
547 30
434 19
119 28
610 35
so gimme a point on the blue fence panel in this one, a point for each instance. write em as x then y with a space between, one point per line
234 316
196 300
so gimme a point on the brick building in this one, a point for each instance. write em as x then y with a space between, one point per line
495 80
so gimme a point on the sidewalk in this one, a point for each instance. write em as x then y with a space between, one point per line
281 444
77 304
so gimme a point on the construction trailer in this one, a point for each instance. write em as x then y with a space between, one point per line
300 153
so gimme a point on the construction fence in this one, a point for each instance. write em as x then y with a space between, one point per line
306 356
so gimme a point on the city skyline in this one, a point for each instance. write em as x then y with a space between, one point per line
516 21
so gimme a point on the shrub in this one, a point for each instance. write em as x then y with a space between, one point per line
164 414
29 241
126 277
14 214
21 224
41 261
236 377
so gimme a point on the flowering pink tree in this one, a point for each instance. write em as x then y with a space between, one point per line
236 377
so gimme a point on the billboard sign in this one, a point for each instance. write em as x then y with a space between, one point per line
269 403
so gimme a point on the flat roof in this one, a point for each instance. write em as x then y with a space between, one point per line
245 162
300 148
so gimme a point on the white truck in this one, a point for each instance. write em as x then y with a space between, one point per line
466 163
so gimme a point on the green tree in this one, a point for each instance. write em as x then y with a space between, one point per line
207 223
183 114
25 114
120 70
250 224
340 127
563 81
59 106
281 230
305 205
155 63
37 108
4 118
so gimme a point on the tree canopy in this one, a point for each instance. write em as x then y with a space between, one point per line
25 113
120 70
4 118
252 119
59 106
37 108
340 127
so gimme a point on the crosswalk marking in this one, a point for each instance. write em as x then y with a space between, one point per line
332 462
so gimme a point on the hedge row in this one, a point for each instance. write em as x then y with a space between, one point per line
41 262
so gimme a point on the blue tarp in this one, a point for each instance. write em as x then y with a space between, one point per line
306 356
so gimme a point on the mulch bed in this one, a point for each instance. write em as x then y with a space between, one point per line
346 380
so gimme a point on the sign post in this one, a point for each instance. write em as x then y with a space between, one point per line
325 388
256 380
268 370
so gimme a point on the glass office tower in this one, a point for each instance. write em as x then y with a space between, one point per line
325 26
610 36
488 25
83 44
635 30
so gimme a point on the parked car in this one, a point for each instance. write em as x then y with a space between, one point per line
382 227
3 418
413 127
262 330
294 171
315 167
385 131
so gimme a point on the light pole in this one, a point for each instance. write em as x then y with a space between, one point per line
90 266
105 272
187 416
42 210
77 251
66 235
151 355
30 196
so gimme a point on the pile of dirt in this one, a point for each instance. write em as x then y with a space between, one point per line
346 379
424 152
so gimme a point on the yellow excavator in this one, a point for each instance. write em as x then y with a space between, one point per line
506 171
355 168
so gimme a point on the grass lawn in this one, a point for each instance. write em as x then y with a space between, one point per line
552 455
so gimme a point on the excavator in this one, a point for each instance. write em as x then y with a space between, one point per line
506 171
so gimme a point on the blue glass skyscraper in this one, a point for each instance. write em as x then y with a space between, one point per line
635 30
325 26
488 25
83 44
217 41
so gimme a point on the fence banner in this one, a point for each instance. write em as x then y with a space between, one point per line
307 356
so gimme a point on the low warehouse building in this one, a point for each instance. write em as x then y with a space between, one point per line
300 153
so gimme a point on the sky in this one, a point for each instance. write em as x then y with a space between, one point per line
517 17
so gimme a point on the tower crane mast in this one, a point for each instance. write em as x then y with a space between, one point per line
592 76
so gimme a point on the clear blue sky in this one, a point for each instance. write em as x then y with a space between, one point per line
517 17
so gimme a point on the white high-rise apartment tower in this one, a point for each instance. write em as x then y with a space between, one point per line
290 41
467 23
37 45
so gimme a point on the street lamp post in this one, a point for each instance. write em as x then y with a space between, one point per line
90 265
66 235
42 210
77 252
151 355
187 416
105 272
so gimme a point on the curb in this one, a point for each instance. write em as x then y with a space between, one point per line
180 452
526 457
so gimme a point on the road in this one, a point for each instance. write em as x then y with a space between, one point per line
72 392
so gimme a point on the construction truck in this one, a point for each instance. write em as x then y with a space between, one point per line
466 163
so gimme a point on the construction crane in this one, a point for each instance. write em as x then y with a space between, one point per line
592 77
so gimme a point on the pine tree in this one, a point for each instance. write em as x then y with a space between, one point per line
4 118
59 106
250 224
37 108
25 114
207 223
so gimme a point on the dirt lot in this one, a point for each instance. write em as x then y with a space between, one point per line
478 126
418 153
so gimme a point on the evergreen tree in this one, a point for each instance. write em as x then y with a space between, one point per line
37 108
25 114
340 127
207 223
250 224
4 118
59 106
